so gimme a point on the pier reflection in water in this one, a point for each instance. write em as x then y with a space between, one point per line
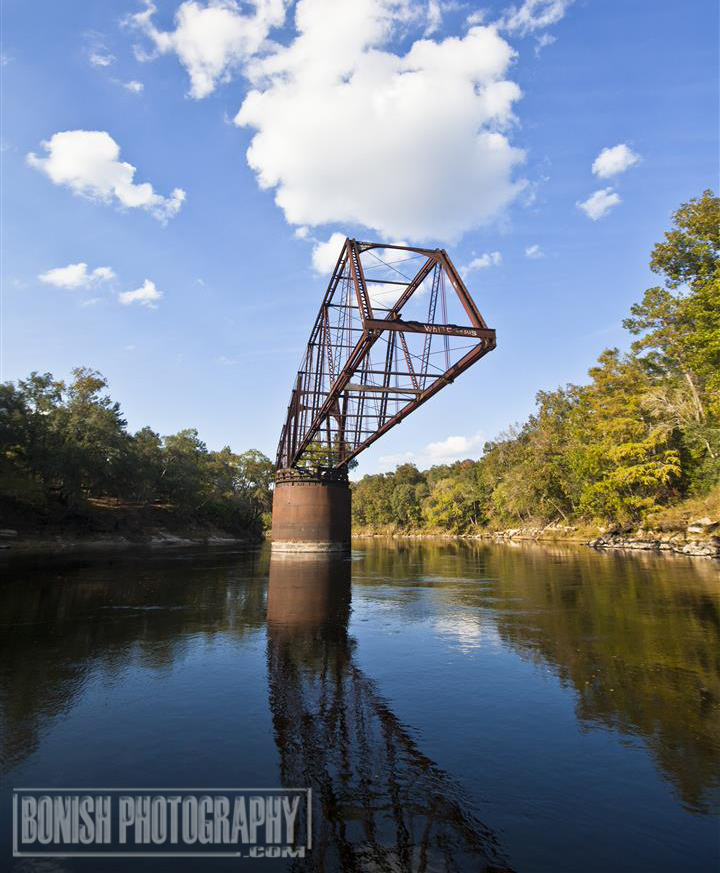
380 803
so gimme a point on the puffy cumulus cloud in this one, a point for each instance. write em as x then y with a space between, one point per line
76 276
488 259
534 251
599 203
210 39
533 15
147 295
411 145
135 87
87 162
612 161
454 447
325 254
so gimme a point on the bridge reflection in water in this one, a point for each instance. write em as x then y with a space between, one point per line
379 803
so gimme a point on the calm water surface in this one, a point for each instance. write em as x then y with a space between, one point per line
455 706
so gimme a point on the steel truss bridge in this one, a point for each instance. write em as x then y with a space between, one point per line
384 342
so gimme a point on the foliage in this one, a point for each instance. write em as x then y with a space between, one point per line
64 445
643 435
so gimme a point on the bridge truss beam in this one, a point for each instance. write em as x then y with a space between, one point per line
366 368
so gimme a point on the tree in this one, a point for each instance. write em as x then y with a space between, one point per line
448 506
146 460
182 474
405 505
628 464
257 475
94 443
679 323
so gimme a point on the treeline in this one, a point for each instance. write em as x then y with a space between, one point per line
642 435
64 447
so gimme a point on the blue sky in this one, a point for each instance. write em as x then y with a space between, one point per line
471 126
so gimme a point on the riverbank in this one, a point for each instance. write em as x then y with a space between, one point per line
700 538
108 525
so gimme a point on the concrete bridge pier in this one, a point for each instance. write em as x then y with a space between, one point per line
311 512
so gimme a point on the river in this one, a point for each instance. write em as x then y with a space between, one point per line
453 705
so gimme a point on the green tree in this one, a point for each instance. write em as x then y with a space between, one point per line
678 324
405 506
182 472
448 507
88 440
146 460
628 464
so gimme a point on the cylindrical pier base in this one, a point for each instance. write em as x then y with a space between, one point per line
310 513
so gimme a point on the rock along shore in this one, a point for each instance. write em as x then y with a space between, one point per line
701 538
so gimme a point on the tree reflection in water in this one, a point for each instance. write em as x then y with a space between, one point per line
637 635
379 802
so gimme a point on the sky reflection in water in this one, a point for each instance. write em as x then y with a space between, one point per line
487 706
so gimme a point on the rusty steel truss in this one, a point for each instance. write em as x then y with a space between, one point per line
366 367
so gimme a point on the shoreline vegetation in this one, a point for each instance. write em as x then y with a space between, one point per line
71 473
629 460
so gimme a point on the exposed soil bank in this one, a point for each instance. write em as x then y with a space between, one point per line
109 526
157 539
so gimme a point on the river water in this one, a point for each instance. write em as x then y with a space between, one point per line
454 706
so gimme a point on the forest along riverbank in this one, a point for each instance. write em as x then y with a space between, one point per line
700 538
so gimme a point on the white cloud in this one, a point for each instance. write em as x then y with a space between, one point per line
325 254
489 259
534 251
599 203
410 145
477 17
76 276
104 273
101 59
543 41
533 15
211 40
389 462
434 17
146 295
454 447
612 161
135 87
98 53
87 162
